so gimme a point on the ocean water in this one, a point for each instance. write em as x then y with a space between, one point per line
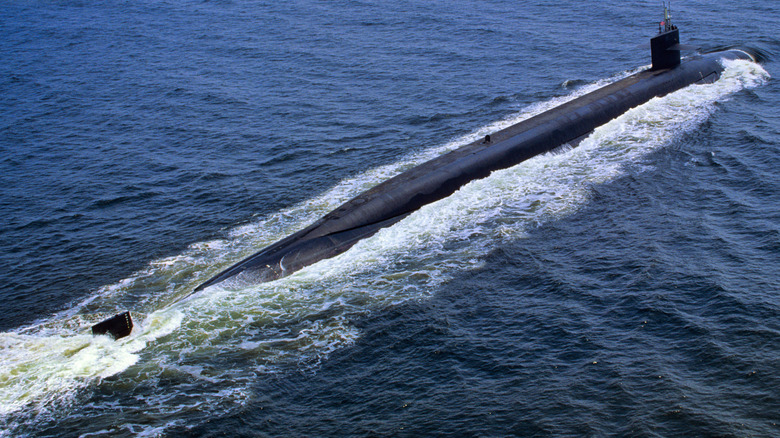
626 287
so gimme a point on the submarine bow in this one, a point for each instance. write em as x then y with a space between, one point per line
394 199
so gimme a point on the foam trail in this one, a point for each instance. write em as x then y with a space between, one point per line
225 337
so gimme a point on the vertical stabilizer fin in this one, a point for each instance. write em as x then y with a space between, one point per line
118 326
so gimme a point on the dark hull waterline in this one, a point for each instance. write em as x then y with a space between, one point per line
394 199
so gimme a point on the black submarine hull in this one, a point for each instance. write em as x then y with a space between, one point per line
394 199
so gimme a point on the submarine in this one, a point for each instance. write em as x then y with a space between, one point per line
392 200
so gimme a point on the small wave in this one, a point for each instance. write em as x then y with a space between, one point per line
572 83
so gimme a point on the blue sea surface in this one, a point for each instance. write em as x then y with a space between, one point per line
629 286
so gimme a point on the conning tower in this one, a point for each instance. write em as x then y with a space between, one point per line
665 47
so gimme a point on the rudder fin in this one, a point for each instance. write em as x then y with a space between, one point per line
118 326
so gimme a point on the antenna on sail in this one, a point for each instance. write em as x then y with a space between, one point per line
666 25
